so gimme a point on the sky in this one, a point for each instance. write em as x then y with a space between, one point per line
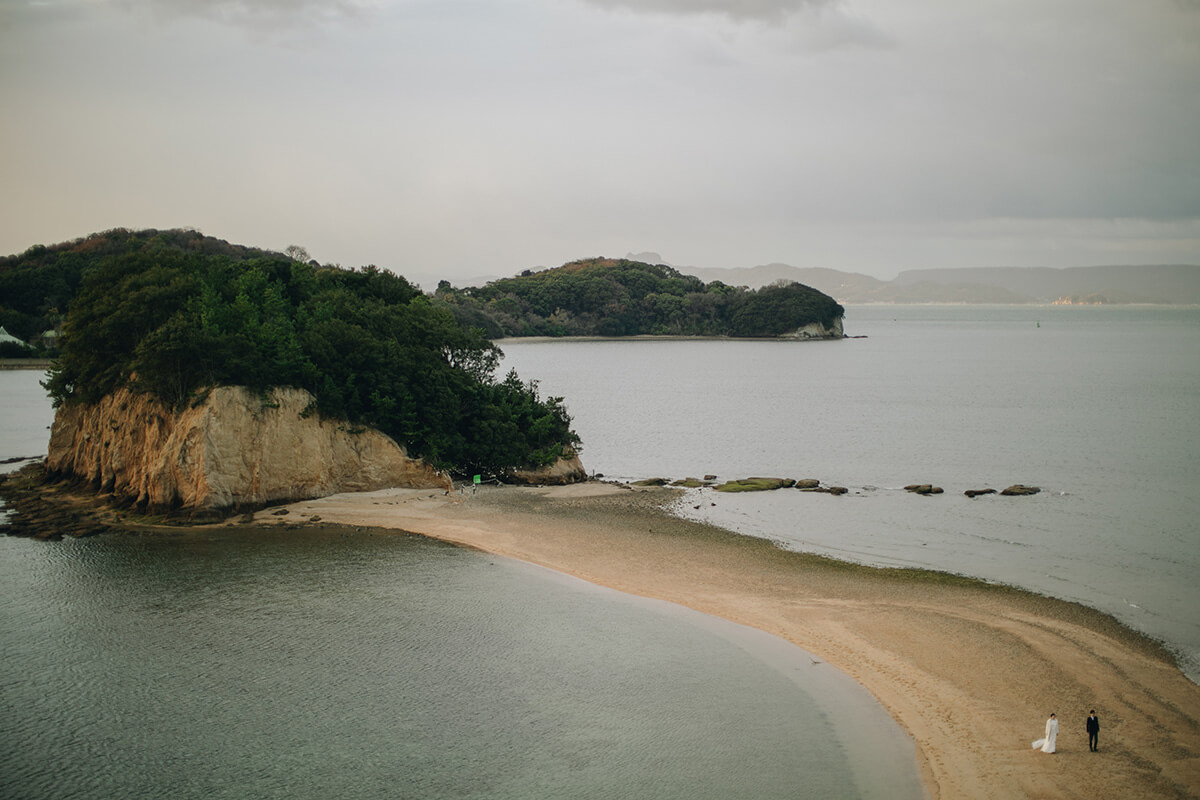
461 139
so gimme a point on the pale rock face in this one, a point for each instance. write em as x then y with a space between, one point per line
236 448
563 471
815 330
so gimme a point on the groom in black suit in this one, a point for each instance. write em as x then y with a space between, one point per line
1093 729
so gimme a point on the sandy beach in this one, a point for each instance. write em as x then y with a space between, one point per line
970 670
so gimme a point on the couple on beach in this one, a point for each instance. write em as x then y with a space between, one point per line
1047 743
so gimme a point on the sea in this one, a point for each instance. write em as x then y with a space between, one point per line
306 663
1097 406
250 663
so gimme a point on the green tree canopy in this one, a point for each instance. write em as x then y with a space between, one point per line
173 320
618 297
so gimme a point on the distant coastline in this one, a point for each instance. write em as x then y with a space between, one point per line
1121 285
1030 304
666 338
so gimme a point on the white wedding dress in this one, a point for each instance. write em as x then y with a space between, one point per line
1046 744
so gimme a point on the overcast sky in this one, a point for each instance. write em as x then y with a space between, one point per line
467 138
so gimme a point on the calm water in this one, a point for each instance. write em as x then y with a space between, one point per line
25 415
307 664
1098 406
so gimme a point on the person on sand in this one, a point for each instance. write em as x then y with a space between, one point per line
1046 744
1093 729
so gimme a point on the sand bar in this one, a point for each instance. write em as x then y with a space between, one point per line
971 671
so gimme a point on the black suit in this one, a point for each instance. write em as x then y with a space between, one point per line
1093 729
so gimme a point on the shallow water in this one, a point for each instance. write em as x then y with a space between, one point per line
1096 405
383 666
27 414
243 663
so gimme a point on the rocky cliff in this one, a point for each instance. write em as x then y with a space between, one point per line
237 448
815 330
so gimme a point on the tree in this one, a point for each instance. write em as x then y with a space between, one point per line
608 297
297 253
171 320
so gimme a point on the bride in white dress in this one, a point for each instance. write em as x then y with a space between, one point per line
1046 744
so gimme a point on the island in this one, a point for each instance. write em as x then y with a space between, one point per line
620 297
170 342
195 374
192 373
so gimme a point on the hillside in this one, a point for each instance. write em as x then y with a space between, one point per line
36 286
1171 284
172 314
1158 283
622 297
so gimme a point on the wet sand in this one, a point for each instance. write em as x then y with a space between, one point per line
970 670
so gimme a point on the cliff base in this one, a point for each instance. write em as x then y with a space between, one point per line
236 449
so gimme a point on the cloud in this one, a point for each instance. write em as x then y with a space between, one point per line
259 16
253 14
808 26
489 136
741 10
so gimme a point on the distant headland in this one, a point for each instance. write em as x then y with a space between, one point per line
623 297
1154 284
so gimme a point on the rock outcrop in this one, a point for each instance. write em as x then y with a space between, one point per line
755 485
237 448
834 490
816 330
691 483
568 469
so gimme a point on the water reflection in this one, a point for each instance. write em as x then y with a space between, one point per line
318 664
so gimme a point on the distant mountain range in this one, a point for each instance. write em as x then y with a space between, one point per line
1170 284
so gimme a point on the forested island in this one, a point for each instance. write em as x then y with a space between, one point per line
172 314
621 297
591 297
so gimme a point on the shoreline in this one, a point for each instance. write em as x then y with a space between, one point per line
26 363
668 337
970 670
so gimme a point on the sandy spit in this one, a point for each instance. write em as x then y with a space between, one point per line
970 670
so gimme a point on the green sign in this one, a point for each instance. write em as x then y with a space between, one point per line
477 481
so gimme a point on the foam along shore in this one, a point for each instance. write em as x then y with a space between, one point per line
970 670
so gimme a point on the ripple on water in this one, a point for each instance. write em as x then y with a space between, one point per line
235 665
